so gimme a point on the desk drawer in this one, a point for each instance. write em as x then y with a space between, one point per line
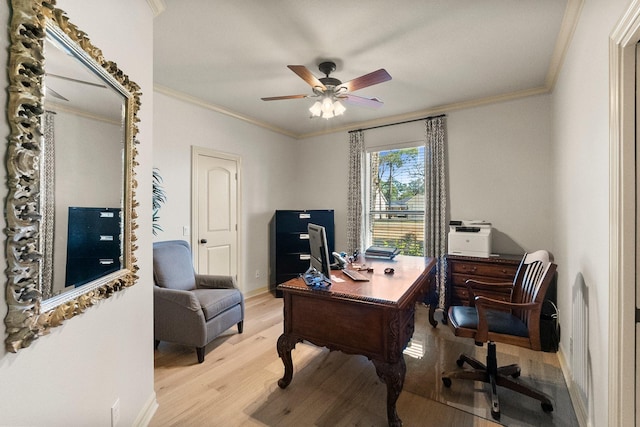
460 295
493 271
461 279
292 242
292 263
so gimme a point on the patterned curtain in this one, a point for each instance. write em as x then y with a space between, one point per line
436 198
47 181
354 202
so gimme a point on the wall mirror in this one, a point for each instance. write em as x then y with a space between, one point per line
70 208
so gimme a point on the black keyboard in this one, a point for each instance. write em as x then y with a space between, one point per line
354 275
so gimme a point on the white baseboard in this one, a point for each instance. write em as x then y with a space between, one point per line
256 292
579 405
148 410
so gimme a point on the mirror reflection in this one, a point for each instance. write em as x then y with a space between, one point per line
82 171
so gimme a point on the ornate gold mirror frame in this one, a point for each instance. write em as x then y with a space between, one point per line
28 316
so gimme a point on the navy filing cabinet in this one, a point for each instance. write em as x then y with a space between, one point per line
290 243
93 244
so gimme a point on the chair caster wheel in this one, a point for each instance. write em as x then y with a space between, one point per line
459 362
547 407
515 374
495 415
446 381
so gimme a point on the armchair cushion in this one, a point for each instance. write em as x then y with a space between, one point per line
180 274
215 301
499 322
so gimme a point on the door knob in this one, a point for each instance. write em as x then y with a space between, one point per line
203 240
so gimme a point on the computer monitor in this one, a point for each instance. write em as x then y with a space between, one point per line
319 250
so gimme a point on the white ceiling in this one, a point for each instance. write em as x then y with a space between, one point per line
441 54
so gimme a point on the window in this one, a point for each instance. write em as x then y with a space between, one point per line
394 199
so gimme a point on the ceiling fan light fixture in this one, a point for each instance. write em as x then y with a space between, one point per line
338 108
327 106
329 90
327 114
316 109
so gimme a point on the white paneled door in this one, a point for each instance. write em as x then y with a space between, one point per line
215 212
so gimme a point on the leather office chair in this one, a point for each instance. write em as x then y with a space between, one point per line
515 322
191 309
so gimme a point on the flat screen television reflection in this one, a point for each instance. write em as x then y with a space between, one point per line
319 272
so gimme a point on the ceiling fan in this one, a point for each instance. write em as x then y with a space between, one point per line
332 91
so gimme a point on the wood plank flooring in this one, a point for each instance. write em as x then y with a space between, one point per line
237 383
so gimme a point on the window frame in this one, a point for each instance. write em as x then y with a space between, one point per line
367 185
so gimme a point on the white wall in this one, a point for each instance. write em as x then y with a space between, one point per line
268 176
75 374
580 107
499 170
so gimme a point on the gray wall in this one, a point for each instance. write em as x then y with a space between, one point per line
499 170
269 178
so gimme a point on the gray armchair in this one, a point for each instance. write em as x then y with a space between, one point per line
191 309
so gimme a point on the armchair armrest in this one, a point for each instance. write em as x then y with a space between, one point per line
204 281
178 317
176 297
483 304
476 285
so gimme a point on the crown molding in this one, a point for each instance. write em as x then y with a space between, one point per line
385 121
209 106
443 109
567 29
157 6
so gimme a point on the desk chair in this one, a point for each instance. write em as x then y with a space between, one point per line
515 322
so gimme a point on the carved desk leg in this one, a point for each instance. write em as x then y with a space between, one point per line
285 345
393 375
432 320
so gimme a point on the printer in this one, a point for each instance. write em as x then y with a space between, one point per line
470 238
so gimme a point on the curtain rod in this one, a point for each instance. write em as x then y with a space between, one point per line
399 123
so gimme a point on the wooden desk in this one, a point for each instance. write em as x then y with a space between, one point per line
374 318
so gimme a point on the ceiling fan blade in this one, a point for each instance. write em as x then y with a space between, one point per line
359 100
370 79
306 75
276 98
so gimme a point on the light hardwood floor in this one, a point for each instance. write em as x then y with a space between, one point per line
237 383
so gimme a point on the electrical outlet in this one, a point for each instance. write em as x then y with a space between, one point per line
115 413
257 274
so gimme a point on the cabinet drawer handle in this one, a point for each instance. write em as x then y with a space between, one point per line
304 236
104 261
304 216
106 214
305 257
106 238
